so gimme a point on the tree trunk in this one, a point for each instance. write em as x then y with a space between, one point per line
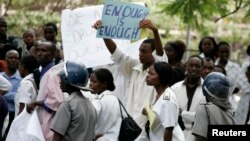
188 37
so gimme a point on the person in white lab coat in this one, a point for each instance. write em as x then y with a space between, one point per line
107 105
189 94
135 70
28 88
164 124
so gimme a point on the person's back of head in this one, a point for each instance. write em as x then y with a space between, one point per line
178 75
181 49
30 64
217 89
219 68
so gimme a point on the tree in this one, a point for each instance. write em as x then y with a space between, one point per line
193 12
228 16
24 14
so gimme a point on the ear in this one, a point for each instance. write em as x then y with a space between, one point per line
20 67
105 84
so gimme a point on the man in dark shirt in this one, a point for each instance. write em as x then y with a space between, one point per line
6 42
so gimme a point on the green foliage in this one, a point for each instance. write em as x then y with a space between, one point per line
21 21
25 4
168 15
247 9
194 12
24 14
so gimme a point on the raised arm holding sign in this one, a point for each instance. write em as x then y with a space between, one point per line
146 23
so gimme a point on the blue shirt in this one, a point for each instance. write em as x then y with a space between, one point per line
15 80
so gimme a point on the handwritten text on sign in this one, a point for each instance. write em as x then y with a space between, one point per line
120 20
79 38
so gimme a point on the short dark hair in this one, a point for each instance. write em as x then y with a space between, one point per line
222 68
197 56
51 24
53 45
151 42
179 48
223 43
164 71
105 76
208 59
213 41
31 64
178 75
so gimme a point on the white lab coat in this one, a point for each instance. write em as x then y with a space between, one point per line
188 116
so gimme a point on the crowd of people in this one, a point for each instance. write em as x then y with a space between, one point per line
169 98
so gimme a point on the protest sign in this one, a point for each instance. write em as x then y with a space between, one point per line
120 20
79 38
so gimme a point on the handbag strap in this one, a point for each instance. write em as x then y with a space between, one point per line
122 107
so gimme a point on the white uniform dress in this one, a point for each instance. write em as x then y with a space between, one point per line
166 109
121 82
26 92
108 116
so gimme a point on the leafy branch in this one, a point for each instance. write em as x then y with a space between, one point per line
238 5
